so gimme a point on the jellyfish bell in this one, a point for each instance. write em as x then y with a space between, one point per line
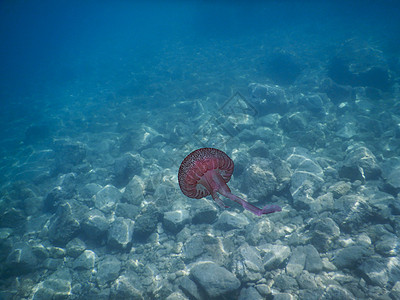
206 171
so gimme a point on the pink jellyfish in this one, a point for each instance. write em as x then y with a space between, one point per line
206 171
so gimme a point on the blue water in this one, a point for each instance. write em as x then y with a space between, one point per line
101 101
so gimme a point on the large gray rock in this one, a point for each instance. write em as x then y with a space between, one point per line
189 287
229 220
95 224
249 293
108 270
352 211
134 191
274 255
333 292
85 261
268 98
360 164
247 264
216 281
284 282
106 199
259 180
307 178
120 234
325 232
125 167
146 222
64 225
391 174
124 288
350 257
203 211
175 220
56 286
374 271
75 247
297 262
21 259
68 155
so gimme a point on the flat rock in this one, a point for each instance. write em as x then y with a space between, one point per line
216 281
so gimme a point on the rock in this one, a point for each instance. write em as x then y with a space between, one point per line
85 261
21 259
382 205
324 233
123 288
313 260
56 196
374 271
75 247
360 164
12 215
249 293
216 281
95 224
285 283
307 281
259 149
108 270
352 212
203 211
350 257
176 296
274 255
64 225
68 155
57 286
229 220
307 178
395 292
53 263
146 222
106 199
340 189
127 210
189 288
387 245
333 292
296 262
268 98
174 221
391 174
247 264
261 232
193 247
120 234
134 191
89 190
259 180
315 103
293 123
125 167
